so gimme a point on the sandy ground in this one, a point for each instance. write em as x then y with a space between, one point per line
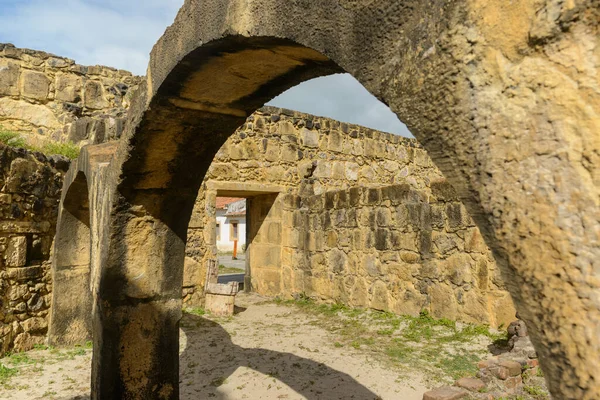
266 351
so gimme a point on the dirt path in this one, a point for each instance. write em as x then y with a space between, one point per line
267 351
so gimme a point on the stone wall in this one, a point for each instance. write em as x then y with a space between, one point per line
392 248
46 97
284 151
30 186
285 162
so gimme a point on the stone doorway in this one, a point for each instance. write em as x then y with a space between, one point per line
259 260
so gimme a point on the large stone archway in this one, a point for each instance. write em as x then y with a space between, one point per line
503 96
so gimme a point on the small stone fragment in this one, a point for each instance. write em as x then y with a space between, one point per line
16 253
513 368
445 393
471 384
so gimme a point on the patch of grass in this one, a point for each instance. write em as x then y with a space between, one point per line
458 365
14 139
385 332
67 149
367 341
77 352
399 351
535 390
11 138
69 354
435 347
20 359
42 347
6 373
199 311
229 270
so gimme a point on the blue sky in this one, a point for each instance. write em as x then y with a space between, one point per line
121 33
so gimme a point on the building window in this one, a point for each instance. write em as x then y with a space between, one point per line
234 230
218 232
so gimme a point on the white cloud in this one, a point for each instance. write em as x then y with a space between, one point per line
343 98
121 34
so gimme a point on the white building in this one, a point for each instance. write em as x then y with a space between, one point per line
231 223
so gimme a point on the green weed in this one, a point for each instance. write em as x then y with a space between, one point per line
399 351
534 390
199 311
228 270
11 138
458 365
20 359
67 149
218 382
6 373
14 139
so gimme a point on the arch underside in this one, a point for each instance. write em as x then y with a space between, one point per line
200 104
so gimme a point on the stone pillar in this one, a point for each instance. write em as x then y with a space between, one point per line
136 322
249 236
71 314
264 244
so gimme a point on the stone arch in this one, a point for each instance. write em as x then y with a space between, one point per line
70 321
72 262
450 71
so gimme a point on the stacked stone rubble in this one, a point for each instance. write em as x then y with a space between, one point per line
513 374
30 185
46 97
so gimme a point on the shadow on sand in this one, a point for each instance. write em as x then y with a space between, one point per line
210 357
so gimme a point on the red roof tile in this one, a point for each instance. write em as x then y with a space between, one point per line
222 202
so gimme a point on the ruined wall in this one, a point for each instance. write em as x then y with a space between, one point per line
306 161
292 152
51 98
30 185
392 248
46 97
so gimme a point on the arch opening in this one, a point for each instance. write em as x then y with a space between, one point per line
419 51
207 96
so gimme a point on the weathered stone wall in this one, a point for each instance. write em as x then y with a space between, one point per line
426 243
46 97
392 248
30 186
292 152
50 97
